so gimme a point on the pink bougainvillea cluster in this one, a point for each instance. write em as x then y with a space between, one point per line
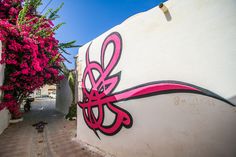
30 53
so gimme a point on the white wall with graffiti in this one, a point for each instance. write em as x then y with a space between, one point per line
4 114
159 84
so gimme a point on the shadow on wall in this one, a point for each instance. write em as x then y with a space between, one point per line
63 96
166 12
233 100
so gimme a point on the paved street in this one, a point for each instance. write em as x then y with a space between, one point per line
23 140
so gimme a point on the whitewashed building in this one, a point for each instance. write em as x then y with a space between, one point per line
160 83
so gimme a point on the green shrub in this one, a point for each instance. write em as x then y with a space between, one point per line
72 112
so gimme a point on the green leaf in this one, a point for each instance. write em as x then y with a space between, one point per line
23 13
43 33
70 44
71 79
66 59
53 14
28 21
35 3
39 22
48 11
54 59
58 26
63 50
64 69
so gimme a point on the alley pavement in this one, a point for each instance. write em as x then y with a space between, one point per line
23 140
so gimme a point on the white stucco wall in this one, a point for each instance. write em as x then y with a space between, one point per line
63 96
196 45
4 114
4 119
1 69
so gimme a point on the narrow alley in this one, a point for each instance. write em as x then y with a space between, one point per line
23 140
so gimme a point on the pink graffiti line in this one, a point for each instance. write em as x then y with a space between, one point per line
101 93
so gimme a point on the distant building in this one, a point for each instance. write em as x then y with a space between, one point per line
45 91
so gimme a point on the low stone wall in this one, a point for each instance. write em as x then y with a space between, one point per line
4 114
4 119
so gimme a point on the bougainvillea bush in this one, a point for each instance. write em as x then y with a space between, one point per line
31 54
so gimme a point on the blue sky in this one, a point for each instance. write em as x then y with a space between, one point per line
87 19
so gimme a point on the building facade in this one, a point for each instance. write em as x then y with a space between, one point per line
45 91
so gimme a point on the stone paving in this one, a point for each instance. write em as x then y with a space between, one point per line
23 140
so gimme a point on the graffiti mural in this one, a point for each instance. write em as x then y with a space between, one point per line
101 94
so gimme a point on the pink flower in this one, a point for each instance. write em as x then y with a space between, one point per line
47 76
25 71
8 96
7 87
24 33
11 62
13 79
14 32
24 65
36 66
13 11
15 46
61 77
14 74
6 5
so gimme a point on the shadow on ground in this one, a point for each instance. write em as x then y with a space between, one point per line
23 140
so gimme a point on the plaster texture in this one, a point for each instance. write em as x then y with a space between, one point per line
193 42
